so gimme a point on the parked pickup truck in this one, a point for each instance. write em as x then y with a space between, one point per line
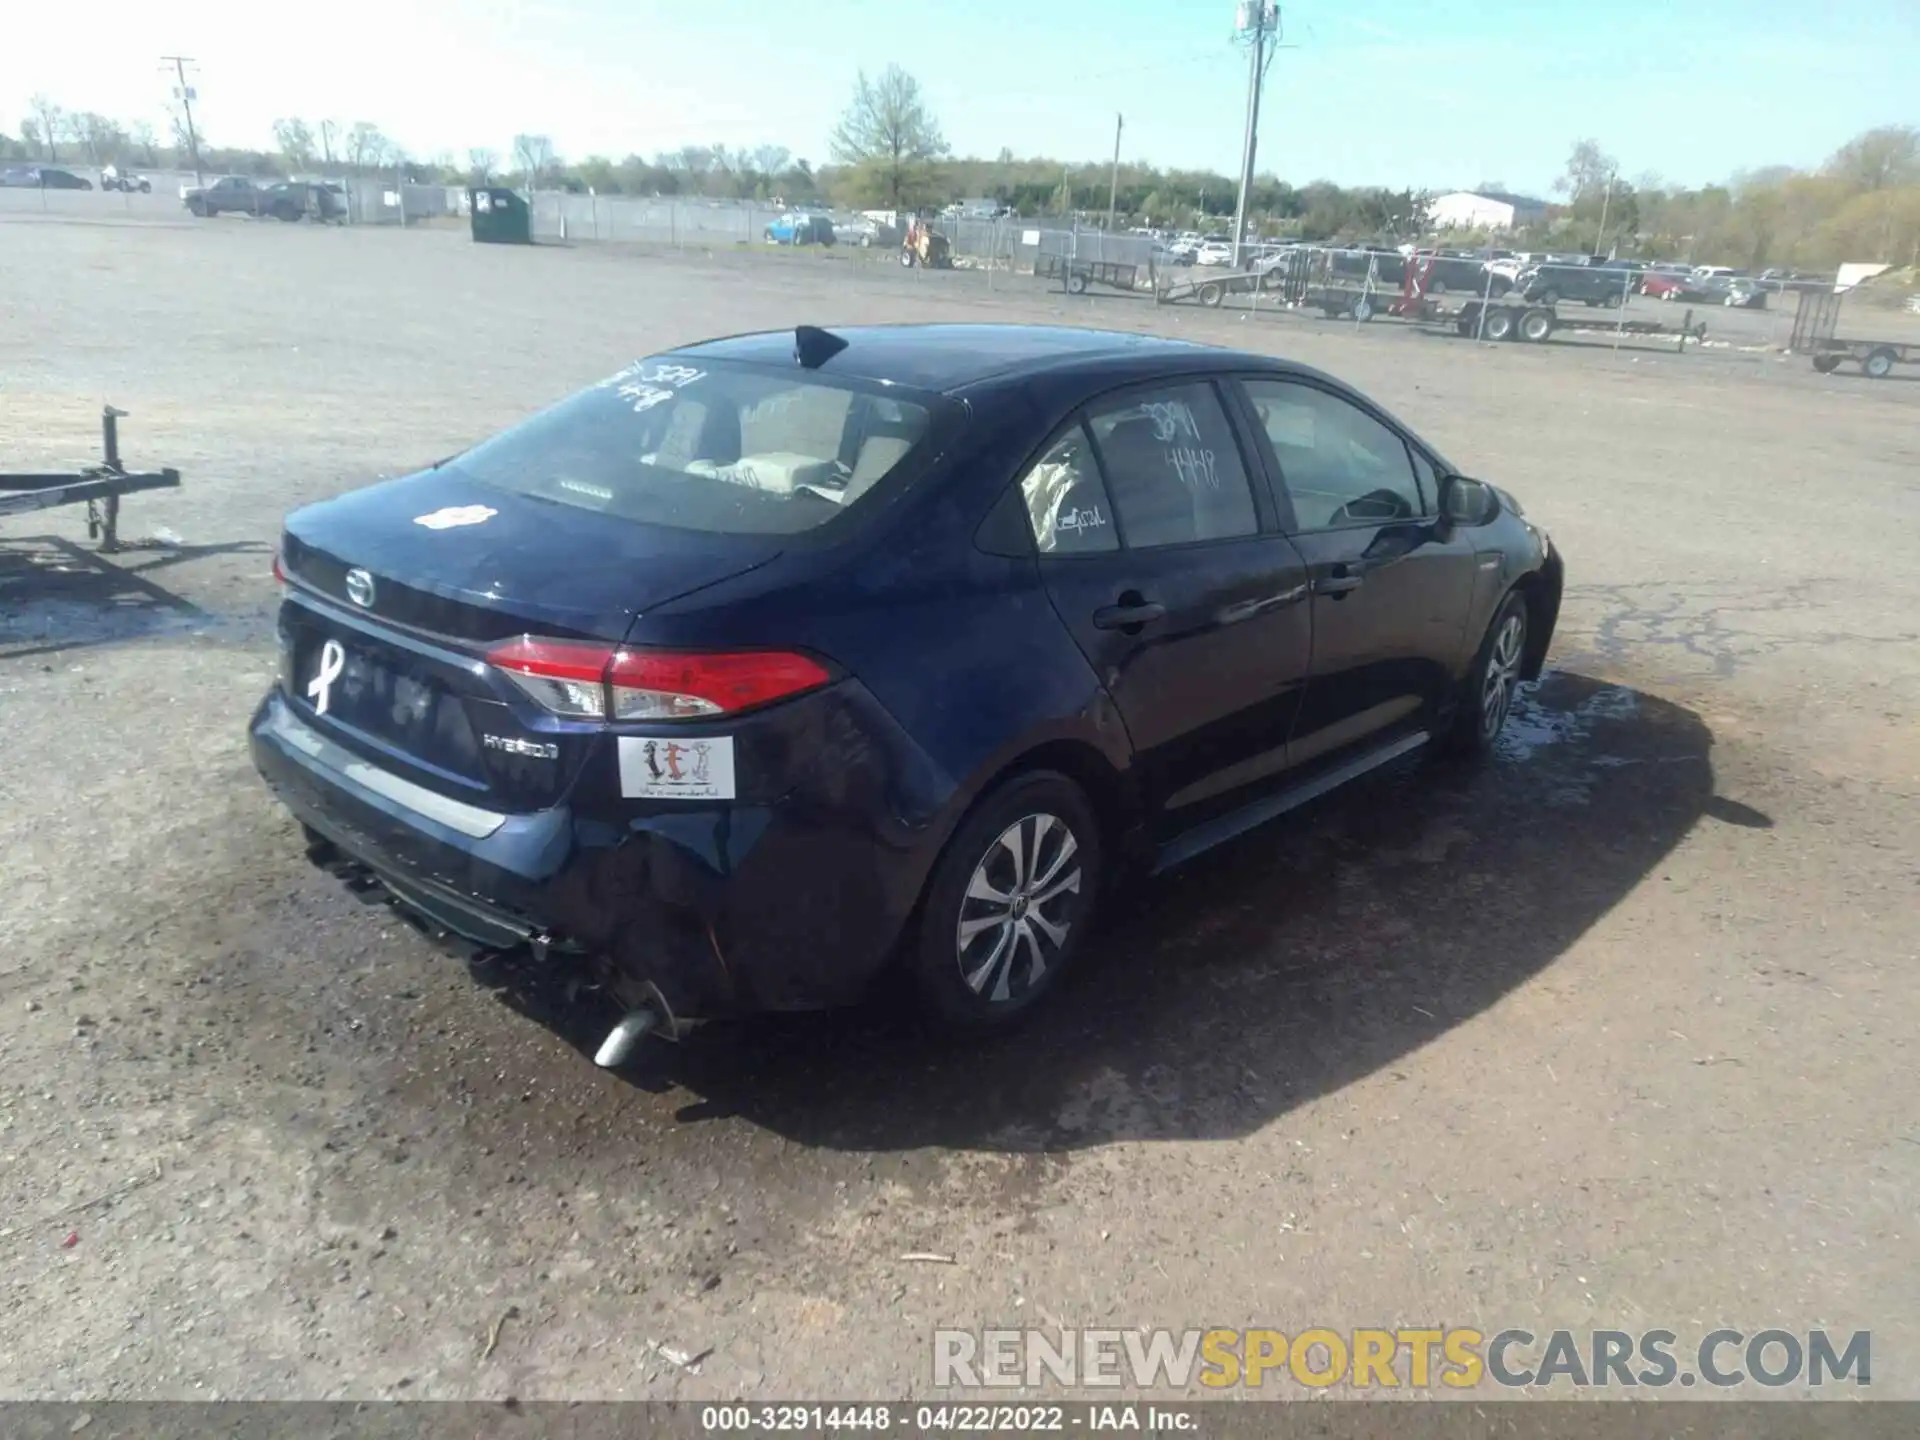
234 193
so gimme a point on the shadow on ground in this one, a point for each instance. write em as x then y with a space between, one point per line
56 595
1265 974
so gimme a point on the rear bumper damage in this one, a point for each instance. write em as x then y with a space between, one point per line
695 911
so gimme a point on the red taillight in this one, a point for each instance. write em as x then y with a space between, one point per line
279 571
597 682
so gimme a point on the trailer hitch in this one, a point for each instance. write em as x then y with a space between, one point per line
100 486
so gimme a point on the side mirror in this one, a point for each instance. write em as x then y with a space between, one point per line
1468 502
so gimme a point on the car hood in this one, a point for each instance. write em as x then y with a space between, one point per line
467 560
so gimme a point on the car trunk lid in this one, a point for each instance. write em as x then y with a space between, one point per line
397 593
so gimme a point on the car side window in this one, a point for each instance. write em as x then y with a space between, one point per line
1172 467
1067 503
1339 464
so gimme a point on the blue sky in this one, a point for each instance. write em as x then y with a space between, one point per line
1429 93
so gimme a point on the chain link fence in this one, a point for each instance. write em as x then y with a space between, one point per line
1492 296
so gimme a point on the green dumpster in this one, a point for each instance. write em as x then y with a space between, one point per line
499 215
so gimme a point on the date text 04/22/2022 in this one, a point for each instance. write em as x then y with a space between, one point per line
946 1418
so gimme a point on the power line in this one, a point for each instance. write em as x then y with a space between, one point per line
185 93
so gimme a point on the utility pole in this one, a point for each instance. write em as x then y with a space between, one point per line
1113 190
185 93
1257 19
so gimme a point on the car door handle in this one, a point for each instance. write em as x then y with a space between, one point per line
1130 614
1338 585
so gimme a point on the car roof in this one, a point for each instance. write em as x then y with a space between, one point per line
954 356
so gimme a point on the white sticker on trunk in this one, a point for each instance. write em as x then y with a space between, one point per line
454 515
677 767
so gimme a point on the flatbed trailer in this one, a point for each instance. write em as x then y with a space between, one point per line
1075 276
1534 323
1814 326
1509 317
99 487
1337 300
1209 287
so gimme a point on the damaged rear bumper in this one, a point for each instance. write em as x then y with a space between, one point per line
706 911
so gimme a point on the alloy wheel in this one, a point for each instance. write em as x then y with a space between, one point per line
1019 908
1503 673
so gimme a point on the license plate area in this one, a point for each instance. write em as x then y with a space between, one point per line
384 693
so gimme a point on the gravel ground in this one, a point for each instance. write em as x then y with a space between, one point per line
1617 1031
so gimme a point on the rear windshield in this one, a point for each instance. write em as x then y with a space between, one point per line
724 449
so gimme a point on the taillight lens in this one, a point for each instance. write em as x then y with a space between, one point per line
596 682
279 571
560 676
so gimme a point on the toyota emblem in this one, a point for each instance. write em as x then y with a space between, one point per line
360 588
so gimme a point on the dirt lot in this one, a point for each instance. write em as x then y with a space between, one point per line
1618 1031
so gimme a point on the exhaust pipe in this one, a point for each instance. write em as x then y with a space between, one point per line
617 1049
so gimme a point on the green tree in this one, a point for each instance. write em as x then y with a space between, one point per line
1881 159
891 140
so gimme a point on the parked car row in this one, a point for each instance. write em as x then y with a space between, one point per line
815 227
56 177
1723 285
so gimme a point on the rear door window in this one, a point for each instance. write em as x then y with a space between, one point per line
1172 467
718 448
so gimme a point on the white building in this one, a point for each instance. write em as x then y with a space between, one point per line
1474 210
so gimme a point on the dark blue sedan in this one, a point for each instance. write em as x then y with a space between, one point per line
773 662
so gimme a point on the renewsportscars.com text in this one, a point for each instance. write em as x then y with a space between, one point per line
1457 1358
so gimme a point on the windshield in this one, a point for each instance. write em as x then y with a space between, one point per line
717 448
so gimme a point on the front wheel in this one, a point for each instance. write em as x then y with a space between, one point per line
1487 694
1010 903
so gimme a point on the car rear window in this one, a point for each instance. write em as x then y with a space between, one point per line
718 448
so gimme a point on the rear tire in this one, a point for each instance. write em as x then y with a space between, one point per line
1536 325
1826 364
1076 283
1016 889
1211 294
1498 325
1879 364
1486 695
